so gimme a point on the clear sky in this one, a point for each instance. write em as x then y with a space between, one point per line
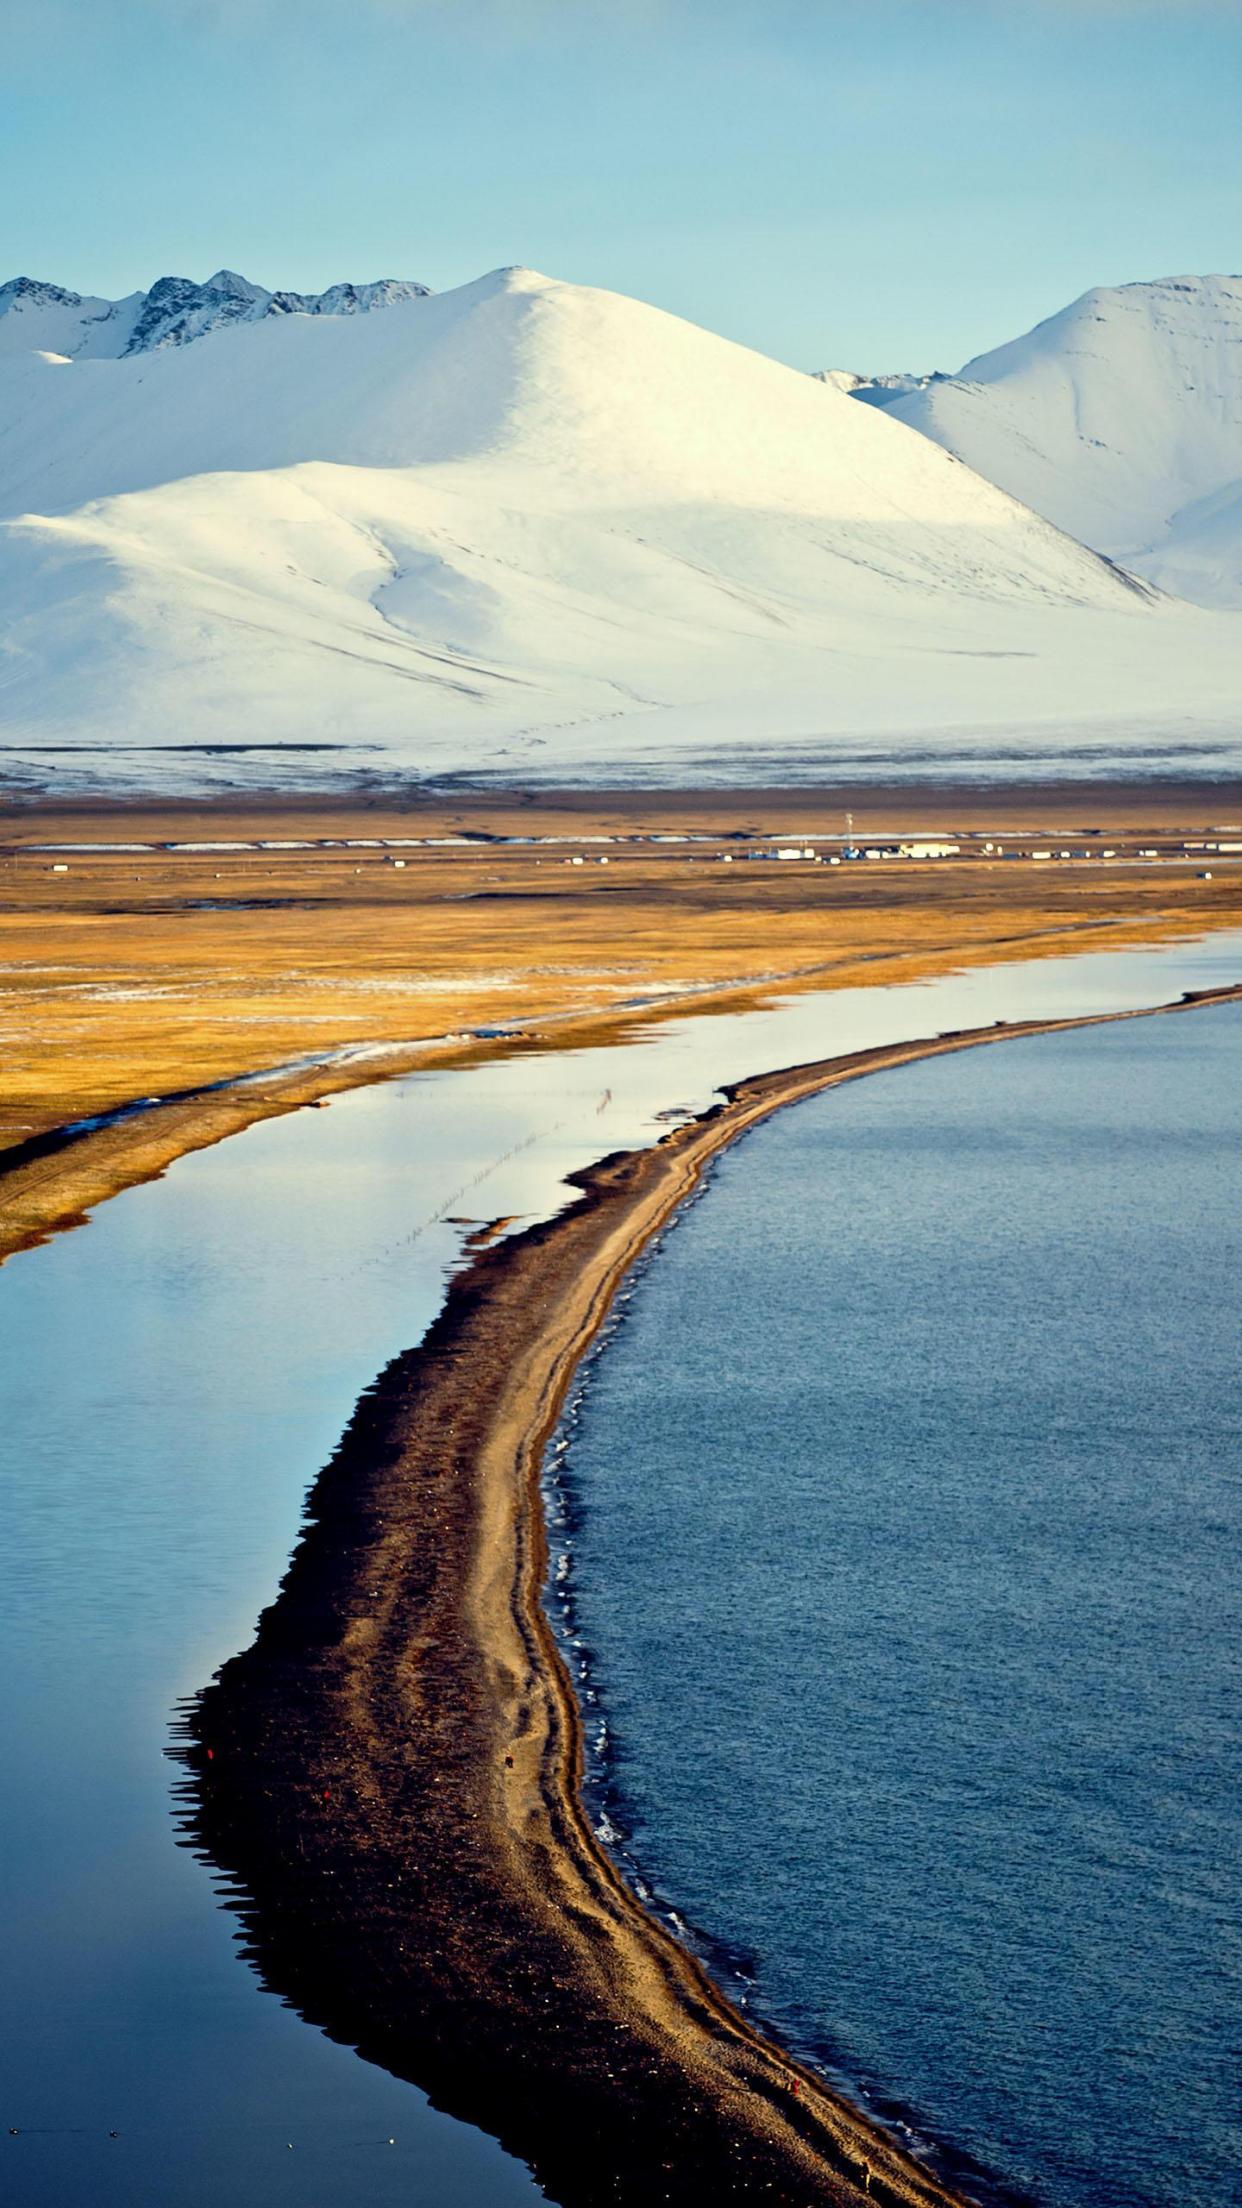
892 185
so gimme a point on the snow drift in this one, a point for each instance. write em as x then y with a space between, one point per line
536 530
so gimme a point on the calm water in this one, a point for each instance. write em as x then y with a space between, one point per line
171 1379
904 1536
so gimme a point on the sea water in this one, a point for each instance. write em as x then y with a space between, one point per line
902 1559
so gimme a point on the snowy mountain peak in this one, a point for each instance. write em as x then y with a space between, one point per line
1120 419
389 291
42 317
1185 310
233 286
884 390
534 528
839 379
20 288
501 283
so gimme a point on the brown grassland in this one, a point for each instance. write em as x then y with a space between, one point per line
135 974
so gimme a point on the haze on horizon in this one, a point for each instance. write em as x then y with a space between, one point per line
900 187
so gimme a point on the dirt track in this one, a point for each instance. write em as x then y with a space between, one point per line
390 1777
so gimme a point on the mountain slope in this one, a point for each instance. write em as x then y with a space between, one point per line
530 528
37 317
1120 419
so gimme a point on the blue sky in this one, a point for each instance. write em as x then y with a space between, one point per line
873 186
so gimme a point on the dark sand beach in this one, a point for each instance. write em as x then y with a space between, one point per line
388 1780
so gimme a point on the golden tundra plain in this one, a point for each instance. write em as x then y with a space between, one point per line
153 951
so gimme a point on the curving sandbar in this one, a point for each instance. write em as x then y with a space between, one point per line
389 1778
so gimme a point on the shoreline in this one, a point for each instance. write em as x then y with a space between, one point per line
388 1782
51 1181
173 969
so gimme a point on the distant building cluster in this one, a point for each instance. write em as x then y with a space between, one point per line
922 847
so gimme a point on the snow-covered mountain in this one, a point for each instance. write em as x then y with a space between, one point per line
36 317
1120 419
875 390
537 530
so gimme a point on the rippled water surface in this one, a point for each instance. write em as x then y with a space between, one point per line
905 1540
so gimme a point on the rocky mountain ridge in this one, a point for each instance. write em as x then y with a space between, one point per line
43 317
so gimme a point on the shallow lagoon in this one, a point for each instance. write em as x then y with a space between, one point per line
171 1378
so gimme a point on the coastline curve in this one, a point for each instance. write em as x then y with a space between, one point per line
388 1781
